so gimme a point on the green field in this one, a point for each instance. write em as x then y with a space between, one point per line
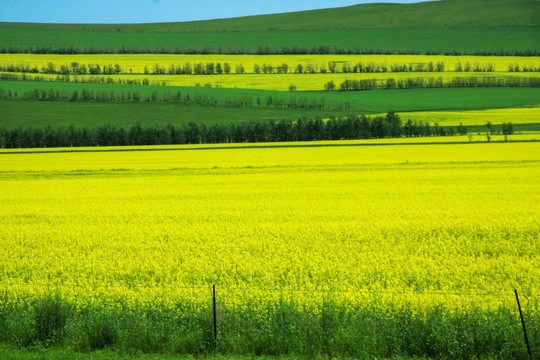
457 25
423 40
35 113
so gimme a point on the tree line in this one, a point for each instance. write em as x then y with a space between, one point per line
261 50
304 129
418 82
211 68
177 97
88 80
523 68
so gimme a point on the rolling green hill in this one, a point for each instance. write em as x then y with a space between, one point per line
466 26
363 16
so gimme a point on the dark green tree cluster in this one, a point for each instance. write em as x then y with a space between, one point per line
189 69
304 129
176 98
418 82
506 128
217 68
74 69
476 67
524 68
419 129
89 80
261 50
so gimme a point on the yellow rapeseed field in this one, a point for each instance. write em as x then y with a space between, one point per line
407 225
476 117
279 82
137 62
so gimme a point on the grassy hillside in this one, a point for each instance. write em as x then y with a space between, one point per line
363 16
465 25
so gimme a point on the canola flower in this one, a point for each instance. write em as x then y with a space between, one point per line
477 117
411 226
278 82
137 62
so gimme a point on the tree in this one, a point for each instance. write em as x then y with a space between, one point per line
490 128
94 69
462 130
75 96
198 69
329 86
240 69
227 68
393 124
391 83
507 129
332 66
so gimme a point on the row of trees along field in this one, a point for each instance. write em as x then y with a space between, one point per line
211 68
176 98
346 85
304 129
74 78
261 50
419 82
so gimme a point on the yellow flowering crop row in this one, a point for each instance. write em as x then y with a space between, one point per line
137 62
476 117
403 225
279 82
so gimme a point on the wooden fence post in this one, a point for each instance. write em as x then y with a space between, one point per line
523 325
214 313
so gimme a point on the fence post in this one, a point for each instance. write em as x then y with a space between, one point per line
523 325
214 312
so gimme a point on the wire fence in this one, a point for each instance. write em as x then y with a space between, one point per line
245 294
222 304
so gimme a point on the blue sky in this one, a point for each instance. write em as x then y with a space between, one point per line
141 11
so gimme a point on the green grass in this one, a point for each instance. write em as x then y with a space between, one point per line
437 99
56 354
464 25
39 114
